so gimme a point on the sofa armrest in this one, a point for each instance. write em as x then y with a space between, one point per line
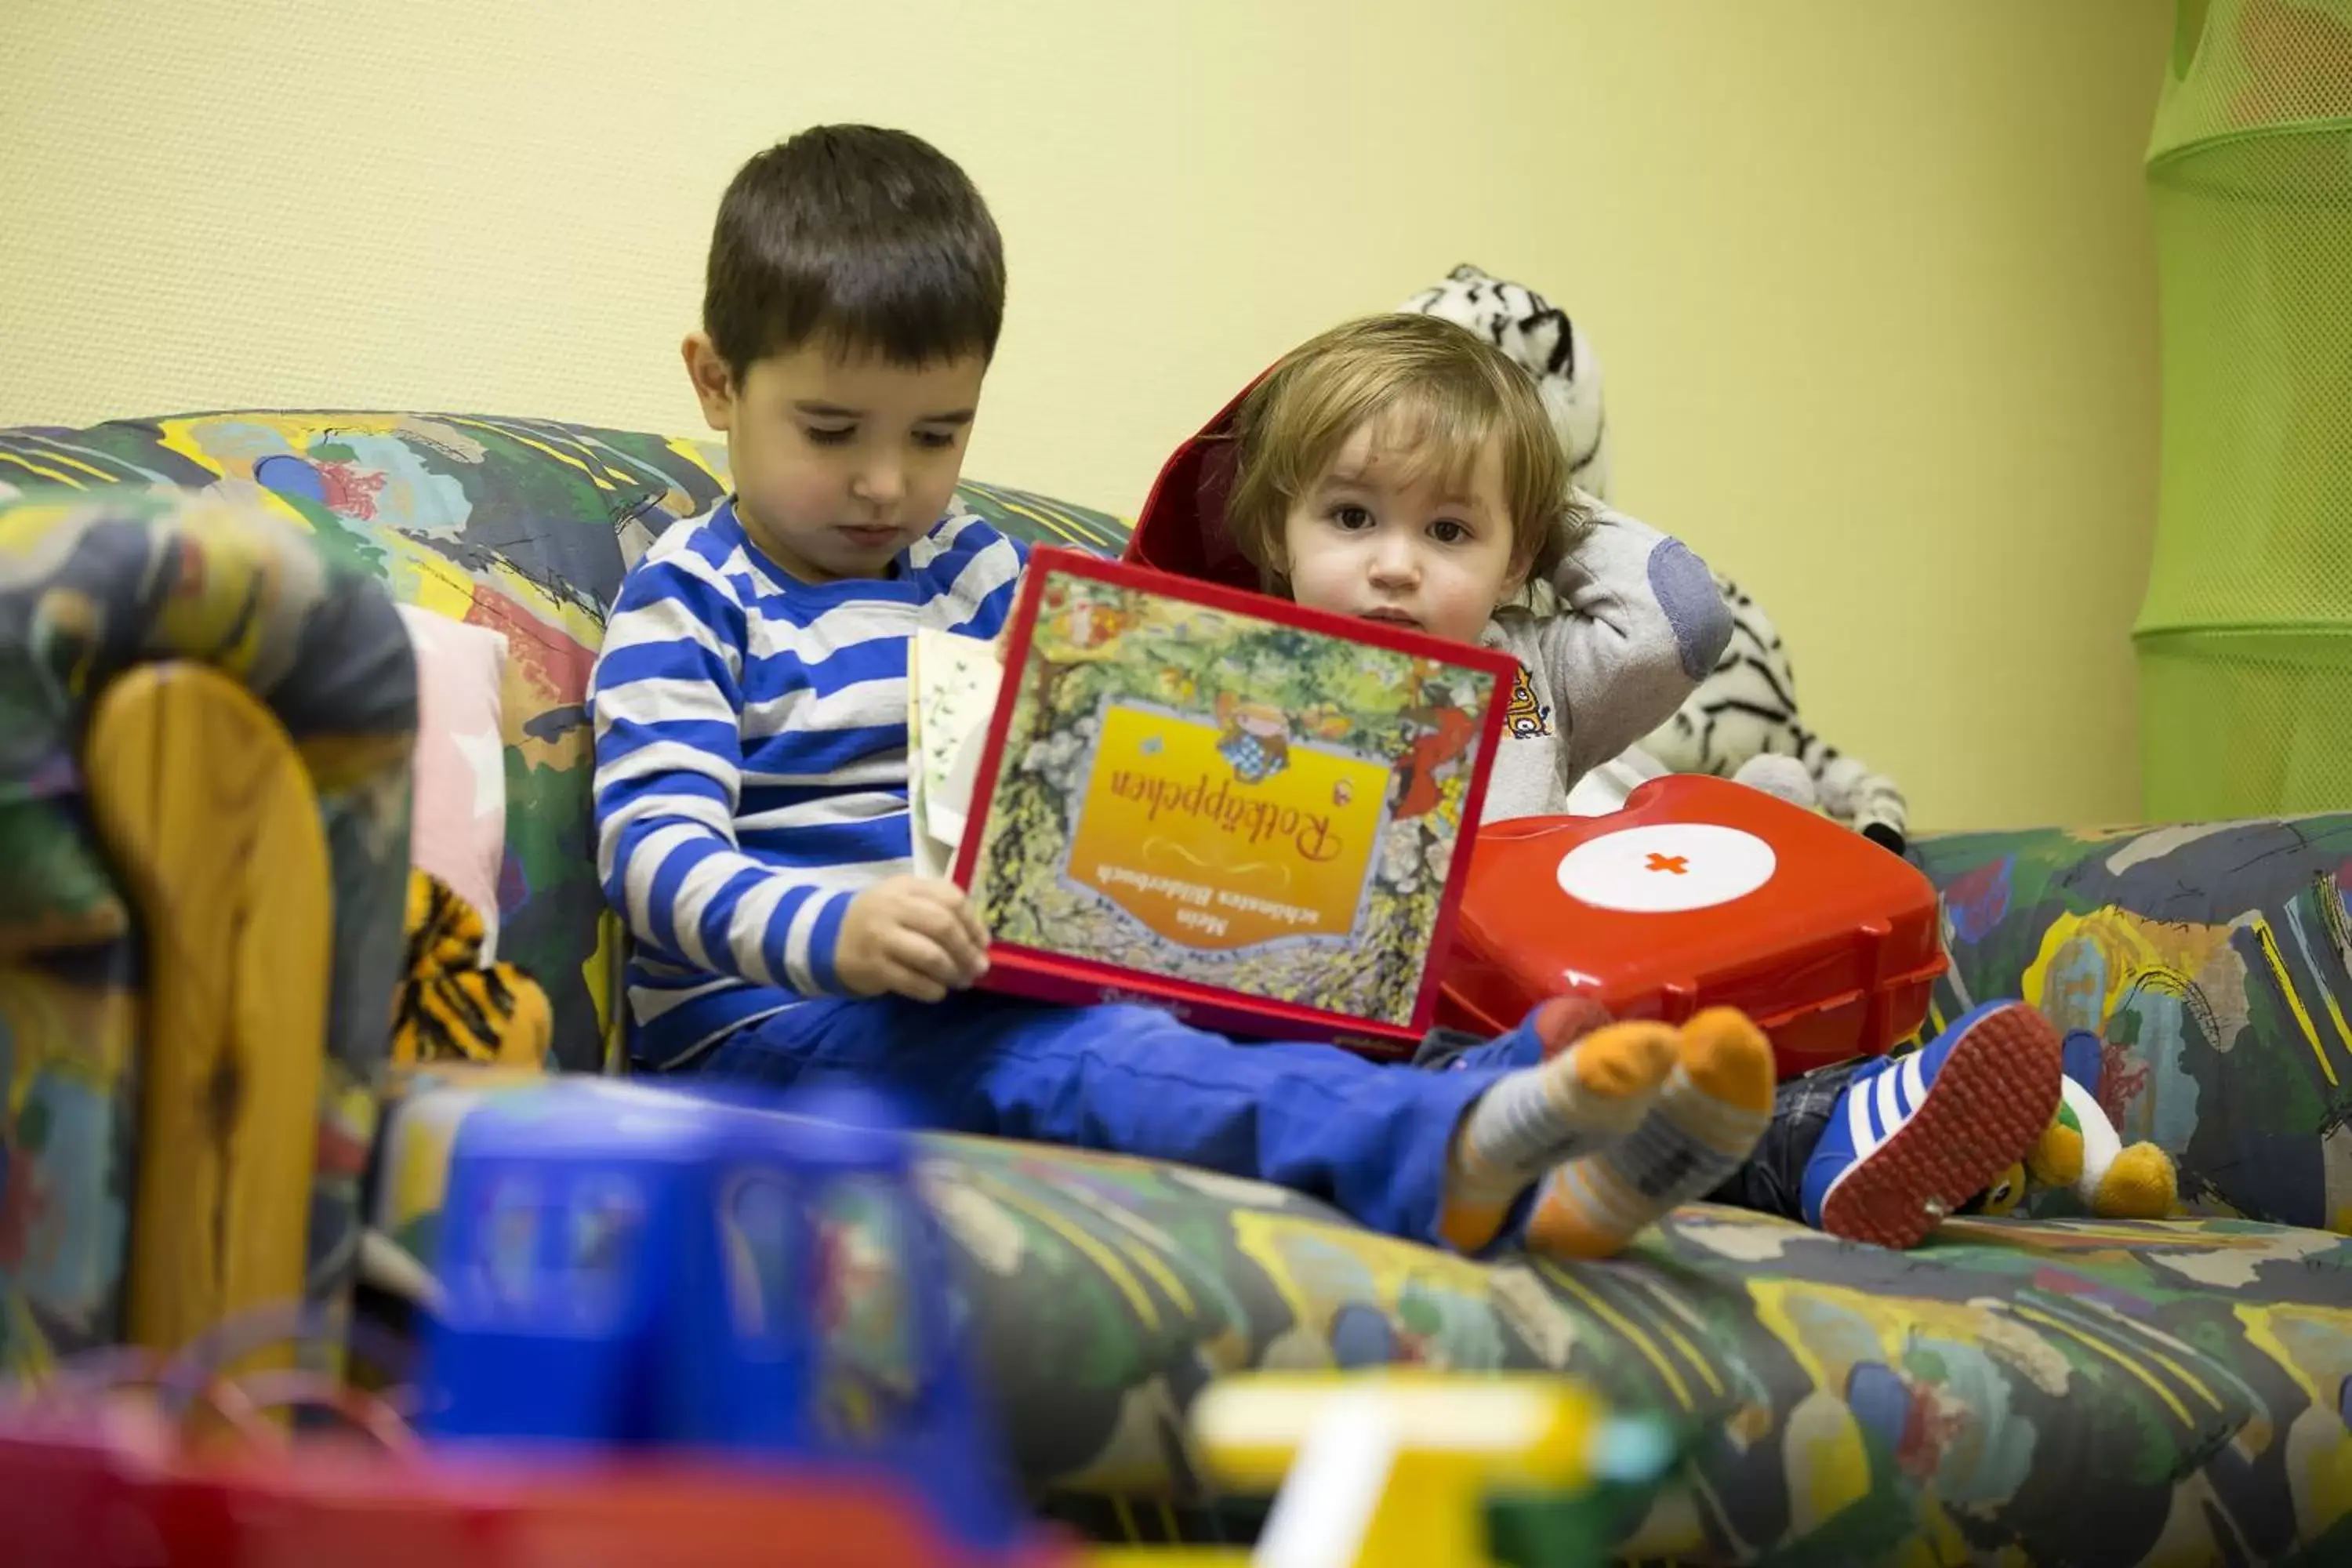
2214 962
212 823
264 624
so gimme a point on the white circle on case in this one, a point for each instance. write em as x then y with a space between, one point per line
1666 868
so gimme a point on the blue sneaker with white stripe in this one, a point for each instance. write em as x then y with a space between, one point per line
1916 1136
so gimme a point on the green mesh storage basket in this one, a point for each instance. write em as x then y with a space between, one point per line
2245 638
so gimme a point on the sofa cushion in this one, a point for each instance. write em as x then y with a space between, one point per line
1985 1384
2214 963
459 811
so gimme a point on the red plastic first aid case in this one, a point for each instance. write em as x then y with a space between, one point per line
1698 893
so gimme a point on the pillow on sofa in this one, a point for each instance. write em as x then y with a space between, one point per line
458 830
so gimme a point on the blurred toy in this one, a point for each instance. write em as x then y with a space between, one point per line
2082 1150
626 1267
1396 1468
671 1328
80 1489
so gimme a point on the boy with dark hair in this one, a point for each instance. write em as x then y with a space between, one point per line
750 696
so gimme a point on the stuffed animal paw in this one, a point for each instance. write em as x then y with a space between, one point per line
2140 1184
2112 1182
1783 776
2082 1150
1788 779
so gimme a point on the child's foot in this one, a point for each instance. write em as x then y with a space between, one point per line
1590 1090
1913 1137
1714 1106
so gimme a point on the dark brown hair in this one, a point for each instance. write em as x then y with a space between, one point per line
865 239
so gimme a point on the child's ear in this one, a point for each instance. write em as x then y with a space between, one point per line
714 382
1515 583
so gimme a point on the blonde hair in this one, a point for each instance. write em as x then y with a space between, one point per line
1451 390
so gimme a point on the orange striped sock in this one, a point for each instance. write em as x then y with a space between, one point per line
1716 1104
1581 1097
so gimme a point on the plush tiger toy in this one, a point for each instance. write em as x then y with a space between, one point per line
1742 721
451 1007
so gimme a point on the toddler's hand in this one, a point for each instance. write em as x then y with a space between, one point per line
916 936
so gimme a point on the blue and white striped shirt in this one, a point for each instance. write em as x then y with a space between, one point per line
750 735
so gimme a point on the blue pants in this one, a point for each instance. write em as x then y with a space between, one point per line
1369 1138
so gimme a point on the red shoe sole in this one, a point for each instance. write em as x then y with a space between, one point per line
1991 1102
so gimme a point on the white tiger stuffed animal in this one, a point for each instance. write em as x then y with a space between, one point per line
1742 722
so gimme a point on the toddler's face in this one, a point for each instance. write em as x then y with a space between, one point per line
1386 535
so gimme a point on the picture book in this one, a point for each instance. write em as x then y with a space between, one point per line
1214 800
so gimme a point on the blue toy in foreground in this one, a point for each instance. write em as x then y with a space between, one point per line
632 1267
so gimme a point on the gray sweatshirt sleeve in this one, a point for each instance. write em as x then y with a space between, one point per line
1639 624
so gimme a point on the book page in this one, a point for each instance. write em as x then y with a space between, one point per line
951 686
1229 799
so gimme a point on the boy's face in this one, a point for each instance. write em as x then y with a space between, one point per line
1384 538
839 464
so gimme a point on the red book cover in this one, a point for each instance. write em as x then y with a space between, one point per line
1209 800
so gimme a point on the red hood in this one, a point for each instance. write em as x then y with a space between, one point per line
1181 527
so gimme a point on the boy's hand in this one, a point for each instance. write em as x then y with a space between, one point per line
915 936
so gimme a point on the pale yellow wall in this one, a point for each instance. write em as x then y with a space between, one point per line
1871 280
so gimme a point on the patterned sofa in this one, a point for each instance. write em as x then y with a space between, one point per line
2040 1390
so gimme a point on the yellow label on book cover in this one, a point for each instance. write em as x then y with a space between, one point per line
1171 831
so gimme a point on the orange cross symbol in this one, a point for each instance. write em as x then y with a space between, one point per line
1674 863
